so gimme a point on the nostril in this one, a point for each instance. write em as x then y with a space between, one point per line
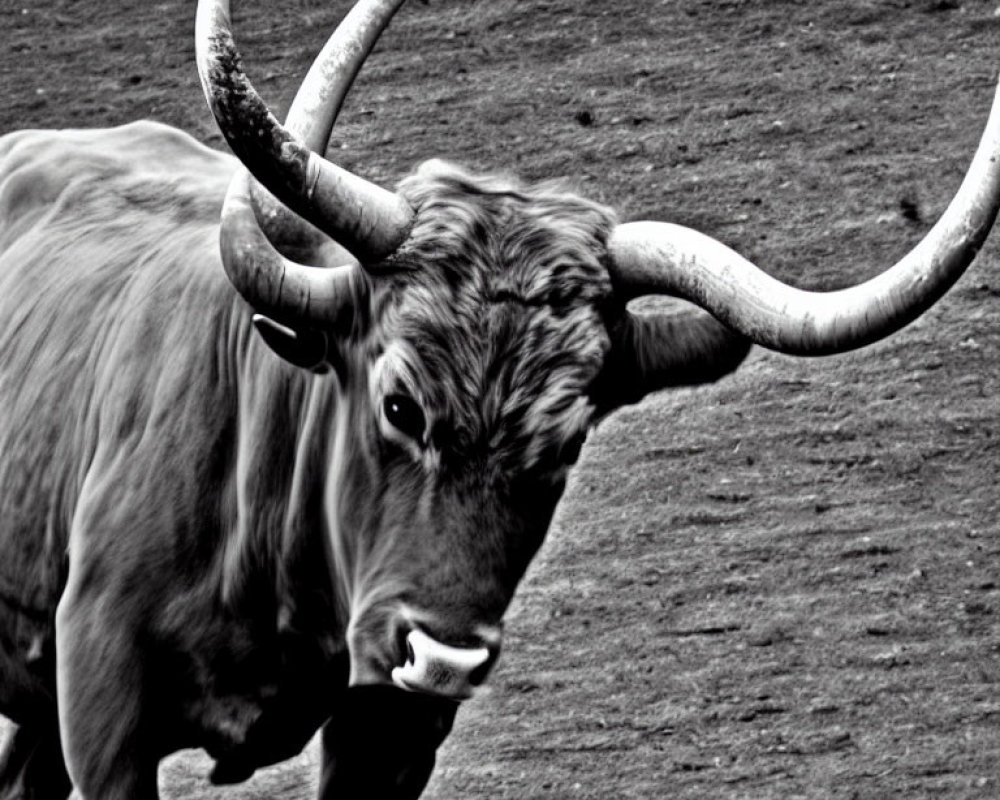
447 670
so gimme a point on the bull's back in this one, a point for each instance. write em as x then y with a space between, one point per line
112 302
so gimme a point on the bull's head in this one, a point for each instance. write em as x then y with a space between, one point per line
478 328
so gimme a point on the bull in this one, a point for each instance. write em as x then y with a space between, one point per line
278 444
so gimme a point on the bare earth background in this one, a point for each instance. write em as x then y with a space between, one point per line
783 586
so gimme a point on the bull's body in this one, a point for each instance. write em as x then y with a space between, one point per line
204 545
150 438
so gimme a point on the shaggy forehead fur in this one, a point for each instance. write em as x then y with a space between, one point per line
491 314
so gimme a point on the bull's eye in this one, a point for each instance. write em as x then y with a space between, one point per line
404 415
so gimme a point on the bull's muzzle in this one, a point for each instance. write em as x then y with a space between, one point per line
441 669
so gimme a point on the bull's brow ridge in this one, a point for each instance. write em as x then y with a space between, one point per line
510 296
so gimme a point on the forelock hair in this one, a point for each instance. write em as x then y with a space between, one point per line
491 312
537 243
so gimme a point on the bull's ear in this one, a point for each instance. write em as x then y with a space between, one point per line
307 348
657 351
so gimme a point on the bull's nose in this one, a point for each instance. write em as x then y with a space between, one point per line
443 669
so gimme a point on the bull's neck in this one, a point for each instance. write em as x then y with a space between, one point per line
278 552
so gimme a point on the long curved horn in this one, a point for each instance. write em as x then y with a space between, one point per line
366 219
273 285
321 94
660 258
317 105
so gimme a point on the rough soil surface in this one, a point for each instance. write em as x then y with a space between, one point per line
783 586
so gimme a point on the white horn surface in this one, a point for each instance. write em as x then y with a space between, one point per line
321 94
363 217
661 258
272 284
315 108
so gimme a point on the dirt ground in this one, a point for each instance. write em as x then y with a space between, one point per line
786 585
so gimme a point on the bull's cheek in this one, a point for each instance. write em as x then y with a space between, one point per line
381 742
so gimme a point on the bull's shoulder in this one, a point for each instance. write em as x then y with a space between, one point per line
144 147
147 163
108 256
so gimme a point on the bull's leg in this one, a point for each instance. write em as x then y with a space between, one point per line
100 677
31 765
381 725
